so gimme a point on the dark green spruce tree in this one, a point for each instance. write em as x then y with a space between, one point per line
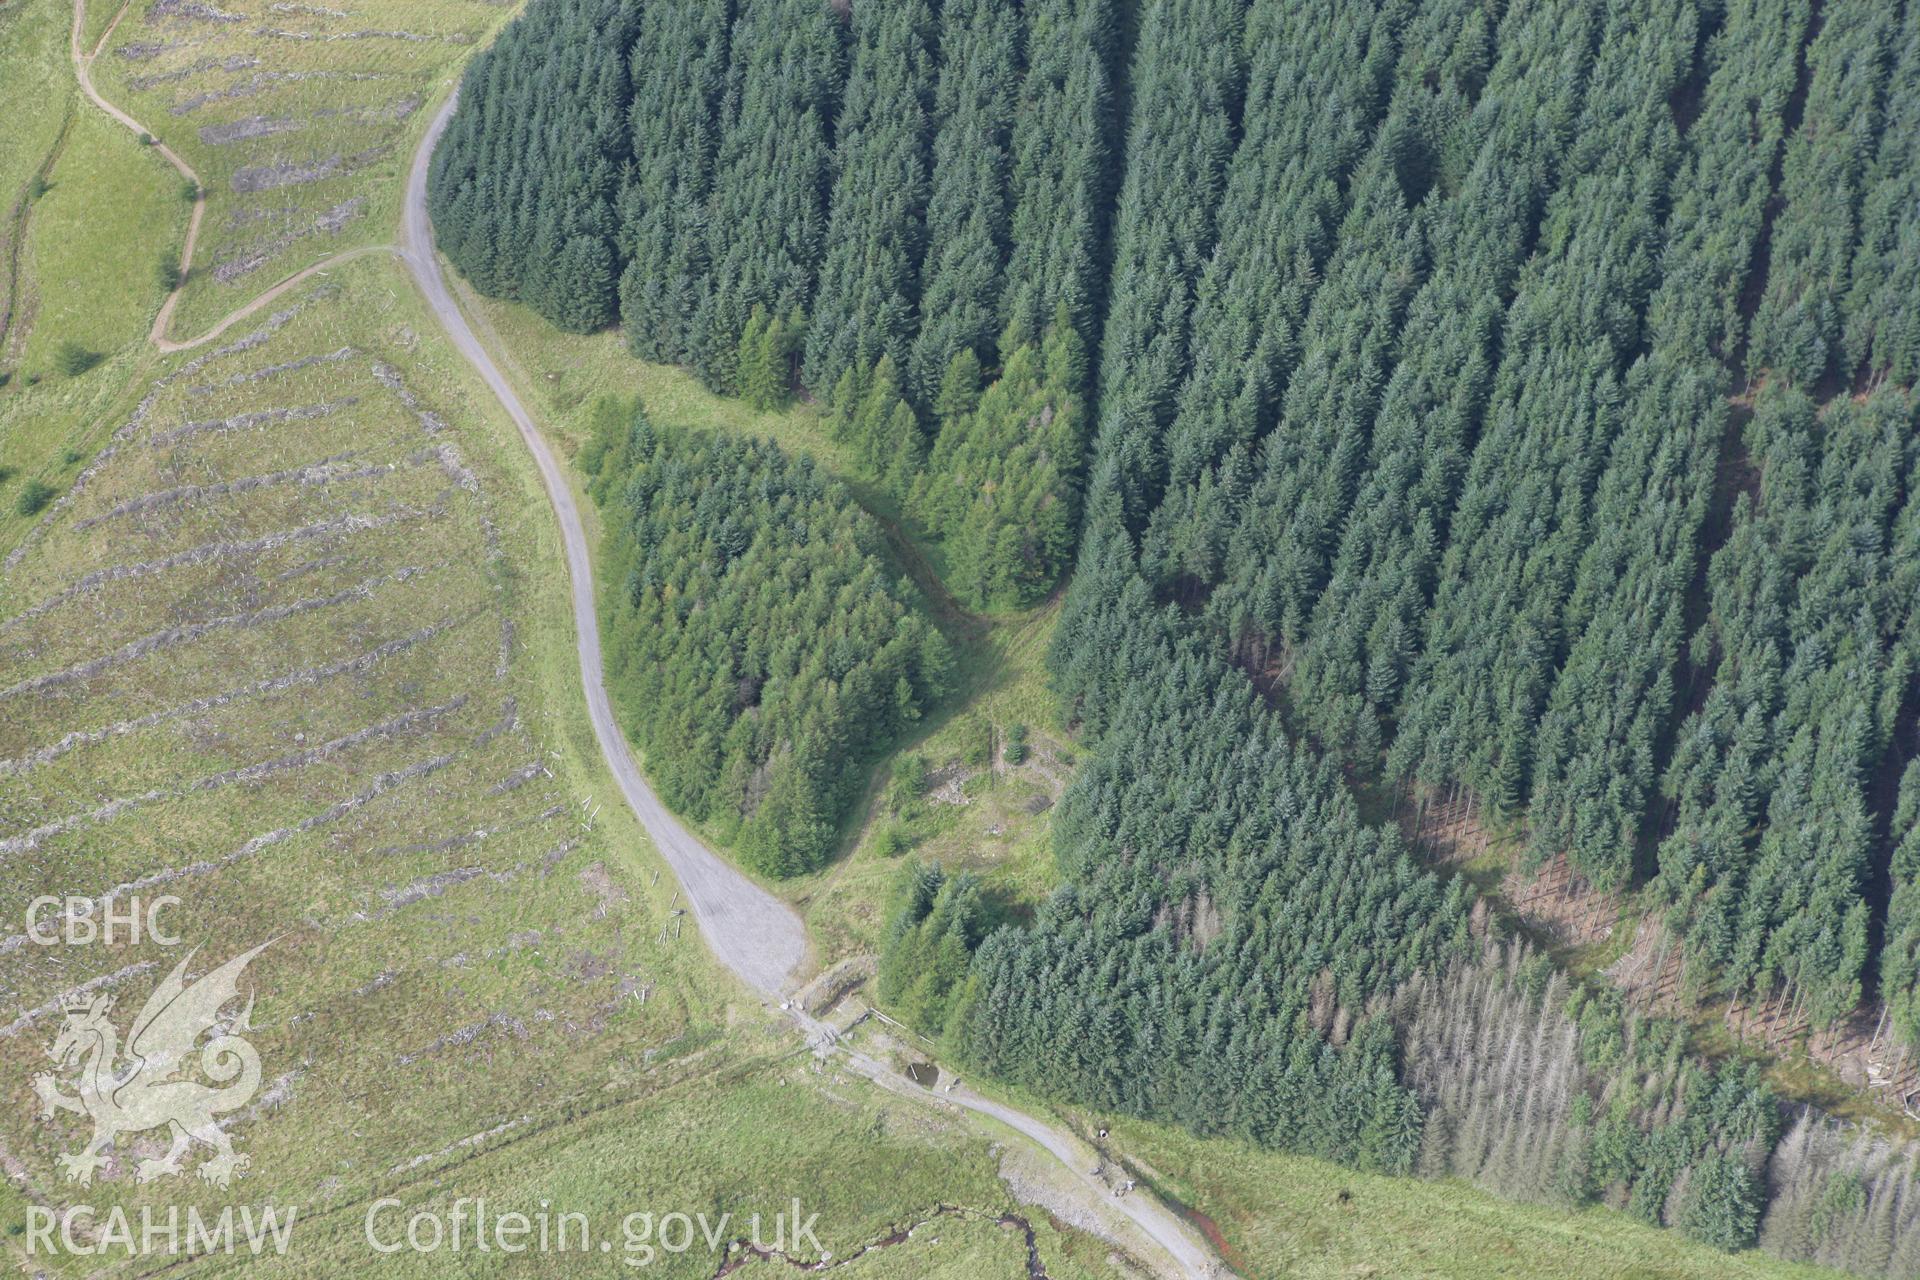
869 281
523 187
968 204
679 72
766 222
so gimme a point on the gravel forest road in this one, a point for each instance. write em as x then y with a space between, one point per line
756 935
752 932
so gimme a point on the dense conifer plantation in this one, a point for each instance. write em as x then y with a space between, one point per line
523 188
1228 928
969 202
869 411
1310 465
935 924
1900 960
1065 156
678 74
756 644
1365 629
1615 699
1815 597
1883 299
1001 487
1318 82
775 184
869 283
1525 513
1798 328
1508 399
766 221
1186 82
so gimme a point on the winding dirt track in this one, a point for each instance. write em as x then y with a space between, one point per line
1189 1255
753 933
83 70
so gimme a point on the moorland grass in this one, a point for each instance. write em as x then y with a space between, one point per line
464 962
740 1140
1296 1216
36 101
45 421
75 258
92 241
299 119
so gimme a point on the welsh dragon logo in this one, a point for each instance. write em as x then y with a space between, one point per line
147 1089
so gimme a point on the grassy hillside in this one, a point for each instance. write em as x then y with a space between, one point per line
38 97
286 652
298 119
88 214
289 642
94 243
285 613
